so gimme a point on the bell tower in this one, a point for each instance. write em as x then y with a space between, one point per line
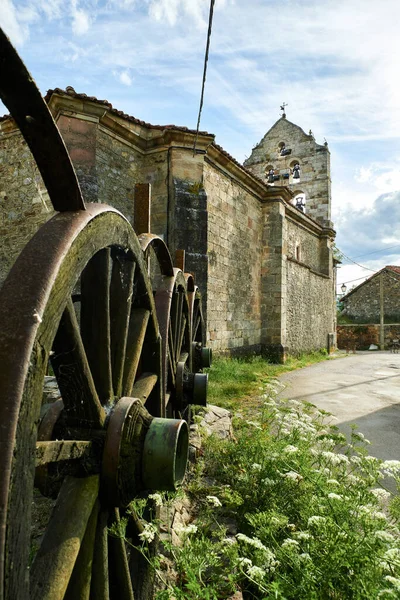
287 156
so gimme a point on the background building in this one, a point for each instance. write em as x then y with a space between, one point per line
362 303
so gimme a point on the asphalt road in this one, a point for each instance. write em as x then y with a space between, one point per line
362 388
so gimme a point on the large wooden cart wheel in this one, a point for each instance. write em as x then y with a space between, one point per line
174 292
201 355
79 299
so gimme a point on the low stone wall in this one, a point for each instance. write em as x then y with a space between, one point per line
360 337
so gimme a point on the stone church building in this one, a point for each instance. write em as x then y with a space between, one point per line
257 237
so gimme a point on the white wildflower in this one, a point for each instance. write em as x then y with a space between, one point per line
373 459
270 562
229 541
148 534
256 467
379 515
192 528
393 554
305 556
302 535
270 402
290 543
332 482
255 424
256 573
334 496
355 459
244 562
255 542
394 581
335 459
268 482
390 467
316 520
157 499
292 475
214 501
385 593
290 449
381 493
353 479
295 403
384 536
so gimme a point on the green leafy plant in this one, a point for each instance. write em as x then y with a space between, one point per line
311 520
286 509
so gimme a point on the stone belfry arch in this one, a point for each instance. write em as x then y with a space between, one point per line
287 156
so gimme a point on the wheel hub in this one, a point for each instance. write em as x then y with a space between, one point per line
141 452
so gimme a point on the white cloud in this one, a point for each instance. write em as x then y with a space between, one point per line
173 10
381 177
80 21
17 31
125 78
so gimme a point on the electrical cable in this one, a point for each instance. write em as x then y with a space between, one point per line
376 251
210 19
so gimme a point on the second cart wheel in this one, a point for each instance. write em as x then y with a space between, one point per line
79 298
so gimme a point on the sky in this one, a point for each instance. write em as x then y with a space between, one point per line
334 62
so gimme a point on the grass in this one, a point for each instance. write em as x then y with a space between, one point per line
235 382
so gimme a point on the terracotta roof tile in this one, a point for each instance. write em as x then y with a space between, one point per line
393 268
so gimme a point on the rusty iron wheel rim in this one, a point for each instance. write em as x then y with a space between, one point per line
35 303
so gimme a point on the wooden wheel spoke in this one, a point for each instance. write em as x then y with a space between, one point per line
171 346
55 560
80 583
58 451
172 367
73 374
178 322
121 291
182 335
120 579
174 318
196 323
144 386
137 331
100 588
95 321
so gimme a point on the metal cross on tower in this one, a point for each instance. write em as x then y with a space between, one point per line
283 109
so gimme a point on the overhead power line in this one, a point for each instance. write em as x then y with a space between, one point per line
210 19
376 251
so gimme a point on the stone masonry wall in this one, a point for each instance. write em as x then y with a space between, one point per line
118 166
24 202
314 160
310 309
273 282
187 214
234 270
363 305
155 171
305 247
359 337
